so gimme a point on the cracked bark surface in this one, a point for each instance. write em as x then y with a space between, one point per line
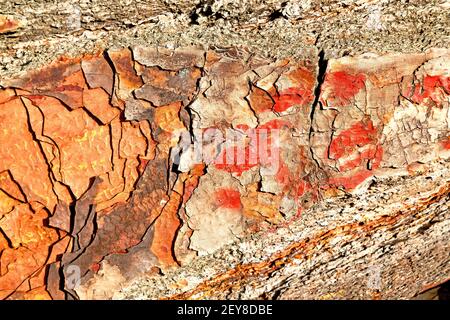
88 176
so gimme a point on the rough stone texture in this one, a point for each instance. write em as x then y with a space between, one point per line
332 252
317 178
38 31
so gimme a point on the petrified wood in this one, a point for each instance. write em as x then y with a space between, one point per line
148 172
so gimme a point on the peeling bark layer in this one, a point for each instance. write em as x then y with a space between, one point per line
154 168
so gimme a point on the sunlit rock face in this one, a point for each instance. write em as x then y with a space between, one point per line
135 161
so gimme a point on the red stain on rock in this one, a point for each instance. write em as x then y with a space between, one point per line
359 134
222 162
291 97
446 143
373 152
274 124
432 88
95 267
354 148
303 187
283 175
228 198
253 154
8 25
340 87
301 93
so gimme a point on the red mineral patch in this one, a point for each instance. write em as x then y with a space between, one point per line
291 97
95 267
303 187
252 153
228 198
300 92
8 25
355 148
283 175
359 134
221 161
432 88
340 87
352 181
274 124
446 143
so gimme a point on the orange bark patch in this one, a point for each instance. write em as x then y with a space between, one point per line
134 144
128 78
192 181
168 119
96 101
30 241
261 205
6 95
164 87
63 80
70 90
260 100
30 172
10 187
166 227
84 146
